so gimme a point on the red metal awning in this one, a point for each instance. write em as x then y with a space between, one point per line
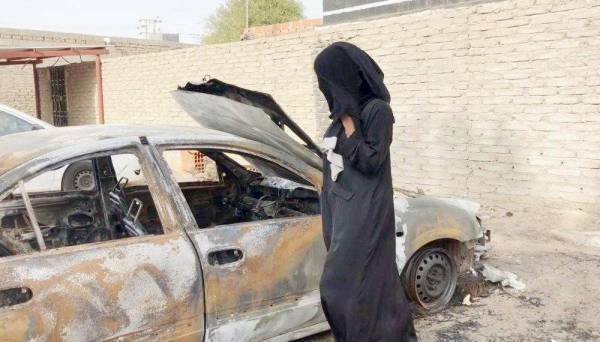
34 55
26 55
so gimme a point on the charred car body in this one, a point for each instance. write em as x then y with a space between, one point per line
191 233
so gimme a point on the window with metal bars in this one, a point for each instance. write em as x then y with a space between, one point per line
199 161
59 96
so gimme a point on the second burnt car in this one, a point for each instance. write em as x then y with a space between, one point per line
191 233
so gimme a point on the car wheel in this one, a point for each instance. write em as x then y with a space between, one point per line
4 251
430 278
79 176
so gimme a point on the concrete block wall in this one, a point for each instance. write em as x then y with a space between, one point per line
257 32
17 91
137 88
16 87
80 82
497 102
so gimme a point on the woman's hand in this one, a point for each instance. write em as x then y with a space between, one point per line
348 123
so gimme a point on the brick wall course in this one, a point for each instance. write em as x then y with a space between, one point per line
497 102
257 32
16 87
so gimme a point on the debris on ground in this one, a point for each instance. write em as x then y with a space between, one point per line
481 252
467 300
472 284
505 278
469 287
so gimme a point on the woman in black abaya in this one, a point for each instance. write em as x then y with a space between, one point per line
361 292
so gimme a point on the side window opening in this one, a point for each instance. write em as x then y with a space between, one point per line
234 187
10 124
190 166
99 199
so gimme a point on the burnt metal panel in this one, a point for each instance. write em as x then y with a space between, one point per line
243 120
140 287
426 219
280 267
146 287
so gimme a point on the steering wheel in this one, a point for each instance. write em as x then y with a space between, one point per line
117 195
126 214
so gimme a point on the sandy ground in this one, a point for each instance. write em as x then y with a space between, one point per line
558 258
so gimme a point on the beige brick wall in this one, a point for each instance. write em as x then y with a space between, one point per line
80 81
258 32
16 87
497 102
17 91
137 88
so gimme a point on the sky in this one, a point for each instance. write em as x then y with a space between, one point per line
119 17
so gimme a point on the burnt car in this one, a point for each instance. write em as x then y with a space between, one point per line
191 233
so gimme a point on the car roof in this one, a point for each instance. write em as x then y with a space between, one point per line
24 116
18 148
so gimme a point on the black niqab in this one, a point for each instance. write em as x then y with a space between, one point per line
349 78
361 291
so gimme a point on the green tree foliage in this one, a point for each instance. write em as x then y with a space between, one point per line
228 22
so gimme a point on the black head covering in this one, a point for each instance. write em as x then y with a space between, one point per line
349 78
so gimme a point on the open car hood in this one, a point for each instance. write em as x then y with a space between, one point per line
247 114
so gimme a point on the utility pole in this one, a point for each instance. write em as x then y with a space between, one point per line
148 26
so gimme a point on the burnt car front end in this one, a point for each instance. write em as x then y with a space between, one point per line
437 242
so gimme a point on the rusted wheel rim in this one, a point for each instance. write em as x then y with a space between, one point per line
434 279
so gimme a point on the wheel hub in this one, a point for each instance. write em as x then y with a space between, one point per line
84 181
434 276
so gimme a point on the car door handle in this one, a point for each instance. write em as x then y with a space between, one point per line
225 256
14 296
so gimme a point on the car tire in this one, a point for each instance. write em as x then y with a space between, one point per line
79 176
4 251
430 278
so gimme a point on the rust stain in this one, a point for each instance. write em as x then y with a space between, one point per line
83 301
270 275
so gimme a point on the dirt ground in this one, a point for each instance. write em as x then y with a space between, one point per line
558 258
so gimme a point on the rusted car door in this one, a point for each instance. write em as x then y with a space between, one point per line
138 287
261 278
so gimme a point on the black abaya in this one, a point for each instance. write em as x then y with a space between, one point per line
361 292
